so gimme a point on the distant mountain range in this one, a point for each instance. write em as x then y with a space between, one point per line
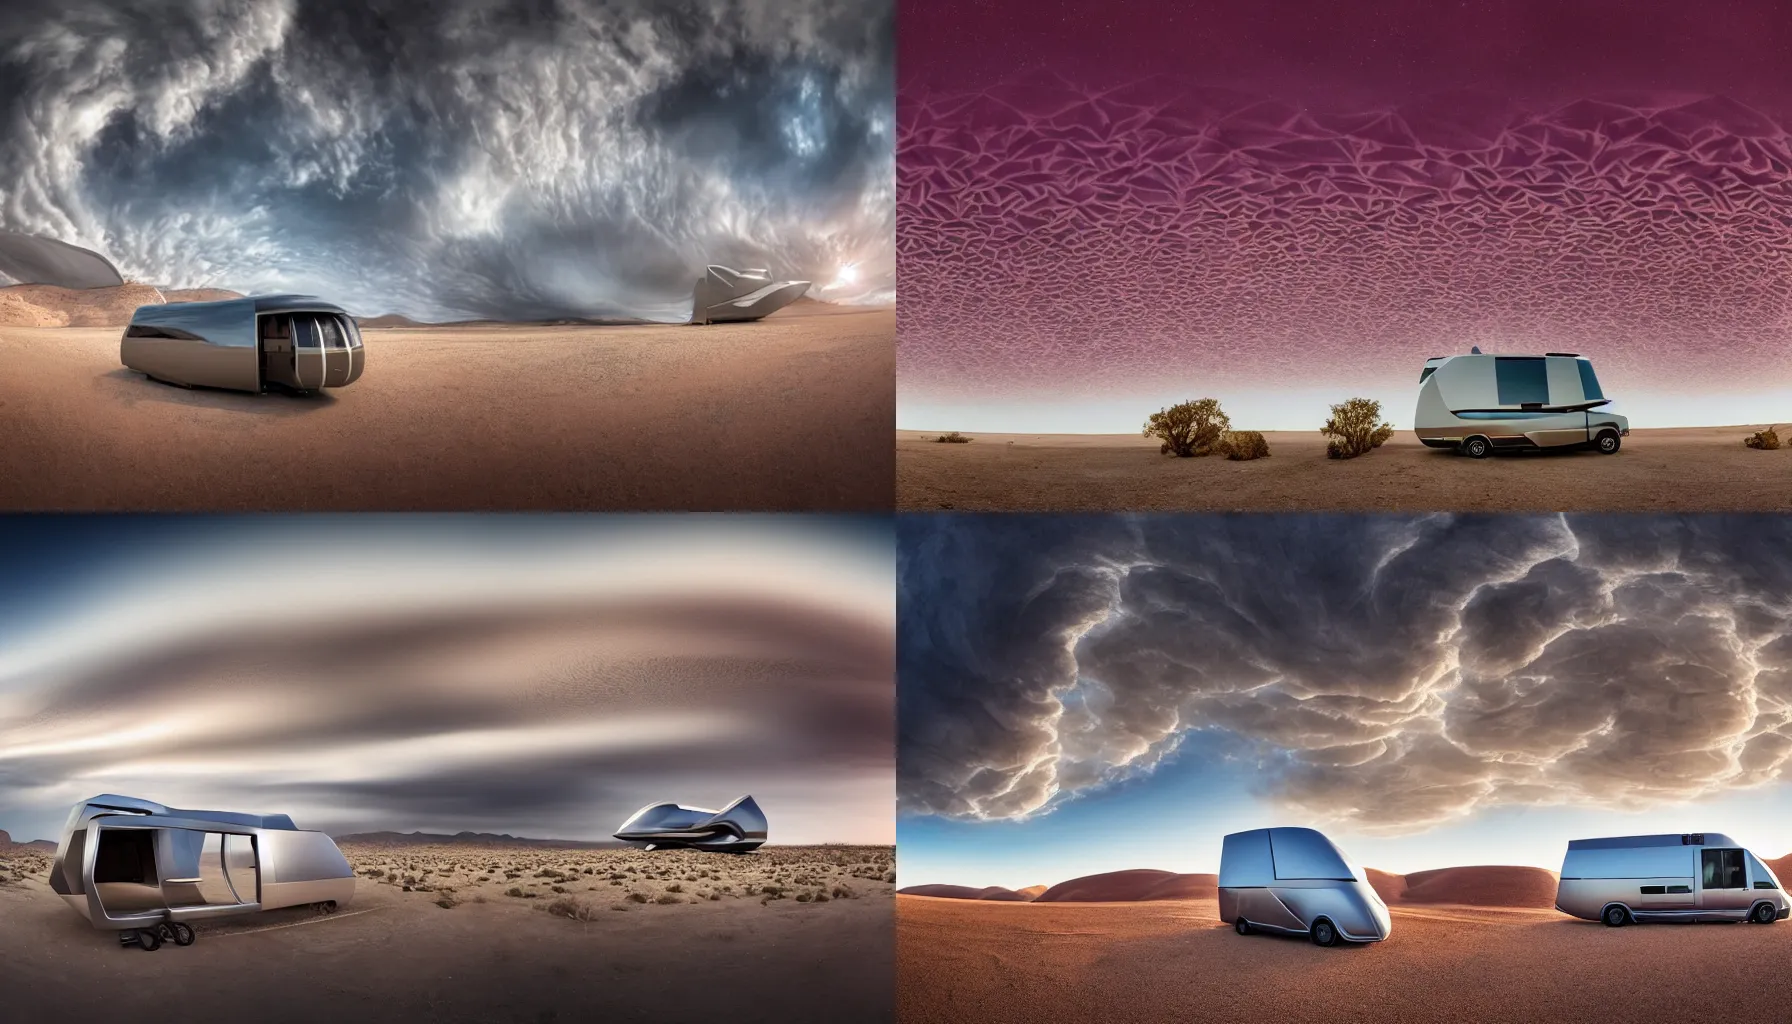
471 839
35 844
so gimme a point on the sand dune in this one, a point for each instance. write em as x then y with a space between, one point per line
965 892
1669 470
43 305
1482 886
1138 884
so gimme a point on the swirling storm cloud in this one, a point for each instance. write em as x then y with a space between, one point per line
510 159
533 676
1384 673
1245 199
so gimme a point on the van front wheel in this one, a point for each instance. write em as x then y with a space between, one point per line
1241 926
1616 916
1477 447
1765 914
1324 933
1607 443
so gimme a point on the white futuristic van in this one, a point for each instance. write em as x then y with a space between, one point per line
1700 876
146 870
1294 881
1479 404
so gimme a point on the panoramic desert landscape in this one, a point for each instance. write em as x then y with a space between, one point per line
1664 470
494 931
791 412
1469 943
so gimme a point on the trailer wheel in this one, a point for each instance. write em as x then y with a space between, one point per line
183 933
148 940
1608 442
1477 447
1241 926
1764 914
1616 916
1324 933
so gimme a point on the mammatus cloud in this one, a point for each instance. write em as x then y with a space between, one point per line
419 676
496 158
1064 236
1385 672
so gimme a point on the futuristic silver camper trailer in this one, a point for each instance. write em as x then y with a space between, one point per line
1294 881
738 828
1700 876
724 295
294 341
1479 404
145 870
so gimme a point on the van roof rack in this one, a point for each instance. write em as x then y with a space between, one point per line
1571 355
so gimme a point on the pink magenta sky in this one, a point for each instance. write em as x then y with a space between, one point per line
1286 204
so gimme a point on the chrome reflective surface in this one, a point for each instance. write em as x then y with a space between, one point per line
34 259
739 828
1665 877
725 295
1285 879
124 862
1459 399
295 341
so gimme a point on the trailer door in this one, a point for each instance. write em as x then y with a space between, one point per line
1723 881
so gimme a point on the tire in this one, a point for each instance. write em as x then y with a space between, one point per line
1324 933
183 933
148 940
1477 447
1241 926
1764 913
1607 443
1615 916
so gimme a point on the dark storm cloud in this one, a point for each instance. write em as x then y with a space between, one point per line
468 682
1386 671
474 158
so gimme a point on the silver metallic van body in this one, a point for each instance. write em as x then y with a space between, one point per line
1700 876
1296 882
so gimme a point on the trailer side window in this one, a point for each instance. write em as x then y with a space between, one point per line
1522 380
1589 384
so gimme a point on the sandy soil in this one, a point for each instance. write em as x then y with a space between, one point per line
397 955
974 960
790 413
1689 469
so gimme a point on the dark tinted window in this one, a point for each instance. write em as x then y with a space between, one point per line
304 332
147 331
1653 890
1722 869
1522 380
1426 372
1679 888
1589 384
1764 884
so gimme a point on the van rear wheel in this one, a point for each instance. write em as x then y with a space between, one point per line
1477 447
1764 914
1616 916
1324 933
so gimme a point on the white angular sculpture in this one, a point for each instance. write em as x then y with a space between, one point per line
33 259
726 296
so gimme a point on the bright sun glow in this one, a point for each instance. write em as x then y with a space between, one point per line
849 274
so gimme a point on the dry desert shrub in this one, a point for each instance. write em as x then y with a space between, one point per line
1242 445
953 438
1355 428
571 909
1766 440
1188 429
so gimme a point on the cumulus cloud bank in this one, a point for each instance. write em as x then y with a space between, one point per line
493 158
536 678
1386 672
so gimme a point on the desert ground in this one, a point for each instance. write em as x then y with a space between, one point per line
1668 470
790 413
1468 944
492 934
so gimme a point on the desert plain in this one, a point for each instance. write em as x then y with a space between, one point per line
491 932
790 413
1657 470
1479 944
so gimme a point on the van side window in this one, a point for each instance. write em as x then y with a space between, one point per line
1522 380
1426 372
